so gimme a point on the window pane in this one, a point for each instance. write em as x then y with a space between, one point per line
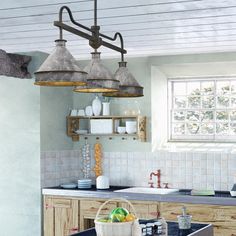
207 128
233 115
207 88
179 116
207 116
222 115
192 116
233 87
222 128
208 102
193 128
179 88
193 88
222 87
178 129
233 102
194 102
180 102
233 128
222 101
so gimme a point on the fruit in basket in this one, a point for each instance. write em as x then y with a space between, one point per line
130 217
118 214
117 218
120 210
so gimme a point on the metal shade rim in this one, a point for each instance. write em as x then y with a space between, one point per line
60 71
92 90
115 80
121 95
60 83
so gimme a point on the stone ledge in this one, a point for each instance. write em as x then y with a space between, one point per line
14 65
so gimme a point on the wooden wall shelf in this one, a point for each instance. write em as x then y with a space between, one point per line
74 123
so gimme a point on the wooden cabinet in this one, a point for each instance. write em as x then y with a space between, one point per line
89 209
75 123
223 218
61 216
65 216
144 210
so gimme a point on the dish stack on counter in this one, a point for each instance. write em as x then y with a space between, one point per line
84 183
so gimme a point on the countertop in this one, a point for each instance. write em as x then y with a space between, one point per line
220 198
196 229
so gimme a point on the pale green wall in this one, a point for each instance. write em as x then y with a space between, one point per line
55 104
20 198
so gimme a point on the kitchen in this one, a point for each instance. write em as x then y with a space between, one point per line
37 153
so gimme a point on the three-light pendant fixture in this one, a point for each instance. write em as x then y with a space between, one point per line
61 68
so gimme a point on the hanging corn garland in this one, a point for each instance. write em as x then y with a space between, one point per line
98 159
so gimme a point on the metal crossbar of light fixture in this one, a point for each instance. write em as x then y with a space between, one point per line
61 69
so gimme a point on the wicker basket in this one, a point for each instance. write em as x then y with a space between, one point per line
131 228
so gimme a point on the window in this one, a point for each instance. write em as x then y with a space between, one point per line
202 109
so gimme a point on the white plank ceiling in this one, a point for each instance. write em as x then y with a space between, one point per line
151 27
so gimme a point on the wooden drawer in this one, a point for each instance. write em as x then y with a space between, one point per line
223 218
90 208
62 203
144 210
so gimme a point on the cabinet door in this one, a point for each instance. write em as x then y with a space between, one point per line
223 218
60 217
88 211
48 212
144 210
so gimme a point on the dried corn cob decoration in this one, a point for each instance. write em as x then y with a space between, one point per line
98 159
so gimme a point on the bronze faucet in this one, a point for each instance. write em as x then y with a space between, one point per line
158 175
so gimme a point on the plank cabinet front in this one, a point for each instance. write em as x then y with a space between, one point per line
61 216
65 216
223 218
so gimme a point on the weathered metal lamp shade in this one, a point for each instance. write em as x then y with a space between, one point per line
100 79
60 69
129 87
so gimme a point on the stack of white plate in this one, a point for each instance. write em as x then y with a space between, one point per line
84 183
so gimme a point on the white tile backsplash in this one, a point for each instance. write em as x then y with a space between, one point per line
179 169
59 167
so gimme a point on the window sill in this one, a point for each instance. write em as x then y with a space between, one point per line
228 148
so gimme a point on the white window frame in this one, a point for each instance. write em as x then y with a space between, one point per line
193 137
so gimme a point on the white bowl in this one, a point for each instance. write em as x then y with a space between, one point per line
81 112
81 131
69 185
121 129
88 111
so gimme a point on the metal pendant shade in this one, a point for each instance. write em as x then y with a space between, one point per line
100 79
129 87
60 69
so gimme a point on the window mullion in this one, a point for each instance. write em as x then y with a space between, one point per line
214 119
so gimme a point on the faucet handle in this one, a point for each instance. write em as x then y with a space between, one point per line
151 184
166 185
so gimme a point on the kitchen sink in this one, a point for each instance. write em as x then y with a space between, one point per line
147 190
